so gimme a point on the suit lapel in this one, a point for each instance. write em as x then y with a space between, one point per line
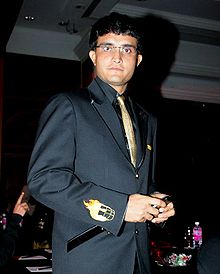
142 122
108 114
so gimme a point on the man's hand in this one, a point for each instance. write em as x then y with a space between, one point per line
142 208
20 208
165 212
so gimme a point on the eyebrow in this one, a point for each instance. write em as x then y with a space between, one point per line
122 45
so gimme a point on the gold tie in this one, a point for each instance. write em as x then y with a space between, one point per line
129 131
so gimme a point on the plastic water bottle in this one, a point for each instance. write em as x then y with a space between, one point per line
188 243
197 235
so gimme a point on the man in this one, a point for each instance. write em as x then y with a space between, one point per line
98 179
9 236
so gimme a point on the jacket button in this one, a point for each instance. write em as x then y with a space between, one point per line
136 231
137 175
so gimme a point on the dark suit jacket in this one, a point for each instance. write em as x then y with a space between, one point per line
80 168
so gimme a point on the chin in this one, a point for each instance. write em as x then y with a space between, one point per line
116 80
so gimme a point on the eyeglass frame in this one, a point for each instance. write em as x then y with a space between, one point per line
121 48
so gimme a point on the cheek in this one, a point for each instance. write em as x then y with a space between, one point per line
101 63
132 67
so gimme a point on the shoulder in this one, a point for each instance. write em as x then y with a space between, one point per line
79 94
66 101
64 105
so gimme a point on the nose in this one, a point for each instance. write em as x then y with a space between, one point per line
117 56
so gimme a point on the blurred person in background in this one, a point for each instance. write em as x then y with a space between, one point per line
10 234
36 226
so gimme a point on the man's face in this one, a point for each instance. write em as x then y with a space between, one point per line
116 66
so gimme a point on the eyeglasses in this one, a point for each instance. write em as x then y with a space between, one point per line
125 50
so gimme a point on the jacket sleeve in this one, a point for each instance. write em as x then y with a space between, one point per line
9 238
51 176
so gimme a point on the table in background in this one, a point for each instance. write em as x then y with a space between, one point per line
174 270
17 265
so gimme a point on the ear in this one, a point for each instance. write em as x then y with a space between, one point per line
92 55
139 59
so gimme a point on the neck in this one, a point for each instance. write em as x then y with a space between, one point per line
119 89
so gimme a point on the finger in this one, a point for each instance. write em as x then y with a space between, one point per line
149 216
170 205
24 205
26 208
155 202
143 220
167 214
20 198
158 221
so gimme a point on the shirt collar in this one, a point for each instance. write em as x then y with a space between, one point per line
110 92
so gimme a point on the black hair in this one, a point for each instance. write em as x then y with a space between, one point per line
118 24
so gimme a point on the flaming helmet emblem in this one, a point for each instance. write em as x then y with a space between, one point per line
99 211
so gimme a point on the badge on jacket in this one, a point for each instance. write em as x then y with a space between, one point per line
99 211
149 147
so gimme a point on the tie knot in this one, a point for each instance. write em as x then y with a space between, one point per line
121 99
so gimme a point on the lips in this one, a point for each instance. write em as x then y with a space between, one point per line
116 69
